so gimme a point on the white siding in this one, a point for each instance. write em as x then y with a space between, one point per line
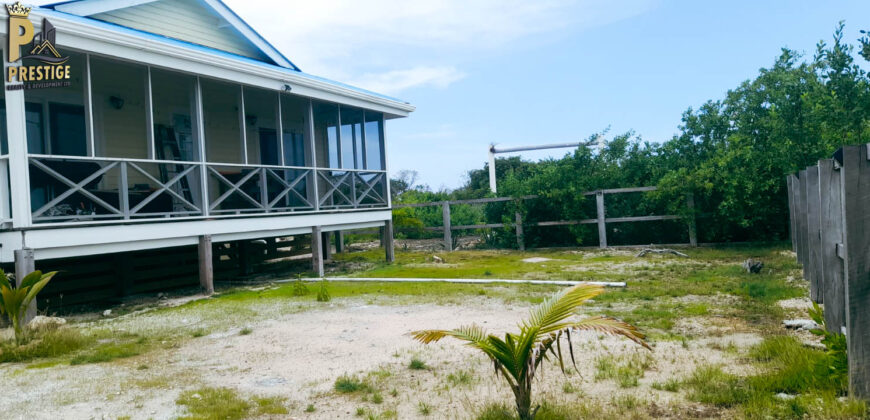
187 20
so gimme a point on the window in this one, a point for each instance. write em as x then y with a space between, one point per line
172 96
374 141
223 134
326 135
56 116
351 138
120 109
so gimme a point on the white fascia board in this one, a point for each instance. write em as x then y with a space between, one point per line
93 240
94 7
249 33
128 45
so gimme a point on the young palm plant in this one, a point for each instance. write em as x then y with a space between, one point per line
518 356
14 300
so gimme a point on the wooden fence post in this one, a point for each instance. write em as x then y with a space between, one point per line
693 226
445 216
833 295
521 242
339 241
855 184
814 246
206 265
602 225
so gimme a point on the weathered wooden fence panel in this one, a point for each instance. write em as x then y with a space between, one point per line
830 224
831 215
814 256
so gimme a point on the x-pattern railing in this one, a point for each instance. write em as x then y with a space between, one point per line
74 187
268 198
352 189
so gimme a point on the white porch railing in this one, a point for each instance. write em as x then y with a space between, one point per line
67 189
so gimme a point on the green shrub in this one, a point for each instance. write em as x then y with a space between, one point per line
51 342
323 293
299 287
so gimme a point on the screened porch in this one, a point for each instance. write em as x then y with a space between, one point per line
127 141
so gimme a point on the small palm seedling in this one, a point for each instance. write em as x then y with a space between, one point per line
15 300
323 293
518 356
299 288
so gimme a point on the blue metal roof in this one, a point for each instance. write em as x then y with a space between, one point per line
49 10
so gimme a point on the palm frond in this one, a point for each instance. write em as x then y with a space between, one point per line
611 326
471 333
560 307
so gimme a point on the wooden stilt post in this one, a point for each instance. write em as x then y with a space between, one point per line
521 242
448 235
327 246
317 251
25 263
124 266
206 265
855 184
389 247
693 226
602 225
244 253
339 242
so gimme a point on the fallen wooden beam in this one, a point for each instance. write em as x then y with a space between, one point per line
645 251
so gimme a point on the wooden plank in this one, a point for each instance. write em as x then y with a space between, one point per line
831 216
801 218
602 228
855 183
567 222
445 217
814 246
622 190
641 219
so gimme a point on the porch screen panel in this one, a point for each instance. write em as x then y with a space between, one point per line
294 112
351 138
261 125
326 135
120 108
374 136
174 104
223 133
56 116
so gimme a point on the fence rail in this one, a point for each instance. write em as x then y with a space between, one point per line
601 220
830 228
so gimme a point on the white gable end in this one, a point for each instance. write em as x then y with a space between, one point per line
204 22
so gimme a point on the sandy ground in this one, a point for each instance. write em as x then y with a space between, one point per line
299 356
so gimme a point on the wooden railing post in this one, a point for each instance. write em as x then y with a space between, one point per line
602 226
855 184
389 247
445 216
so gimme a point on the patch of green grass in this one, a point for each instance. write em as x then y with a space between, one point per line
109 351
625 370
46 343
670 385
417 364
711 385
199 333
424 408
377 398
310 408
460 378
271 405
214 404
246 331
346 384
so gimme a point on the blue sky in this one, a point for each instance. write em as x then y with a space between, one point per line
519 72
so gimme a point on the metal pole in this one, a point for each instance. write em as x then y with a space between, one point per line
25 263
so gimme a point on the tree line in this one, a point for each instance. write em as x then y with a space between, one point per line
732 154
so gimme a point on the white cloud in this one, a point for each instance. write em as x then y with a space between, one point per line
394 81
